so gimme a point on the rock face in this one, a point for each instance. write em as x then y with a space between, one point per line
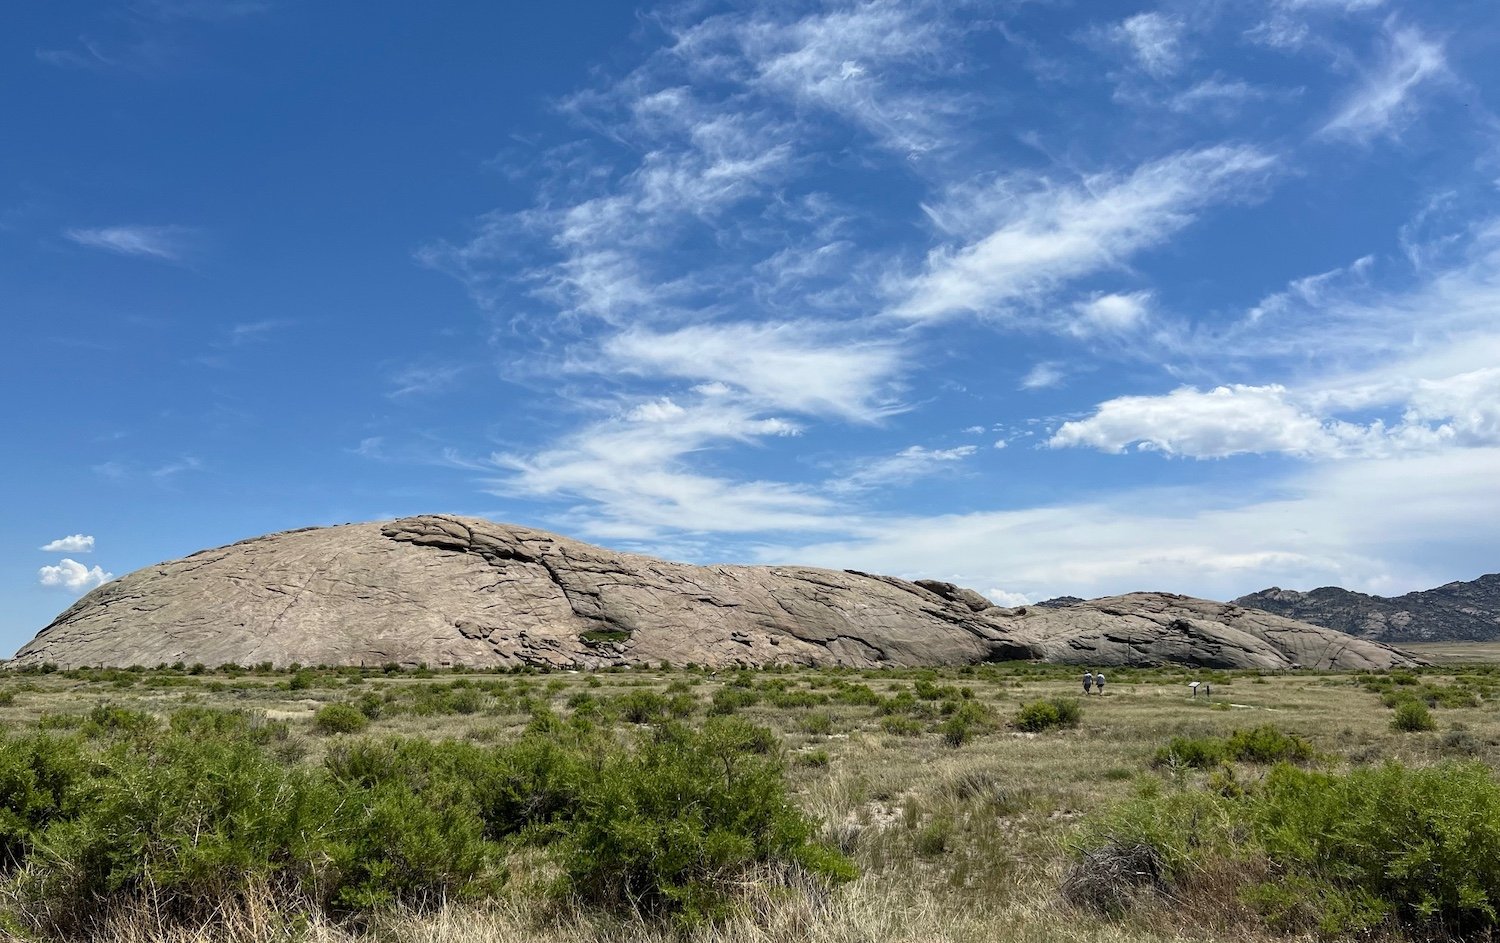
1156 628
447 590
1465 611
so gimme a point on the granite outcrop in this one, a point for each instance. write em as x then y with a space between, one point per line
445 590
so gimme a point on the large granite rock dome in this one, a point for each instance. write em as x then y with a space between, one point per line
448 590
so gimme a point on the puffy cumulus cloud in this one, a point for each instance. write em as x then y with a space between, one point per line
1001 597
73 576
1461 410
1028 235
73 543
1227 420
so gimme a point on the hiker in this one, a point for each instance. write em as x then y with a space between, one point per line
1088 682
1099 682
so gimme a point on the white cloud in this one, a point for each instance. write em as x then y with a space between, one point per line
1112 313
905 467
1155 39
166 243
1313 290
251 331
74 543
425 379
858 61
1214 95
174 468
73 576
1228 420
1362 524
1044 375
1035 235
1456 411
1001 597
658 410
634 475
804 367
1385 100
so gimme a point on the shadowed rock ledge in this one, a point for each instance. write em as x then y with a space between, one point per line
445 590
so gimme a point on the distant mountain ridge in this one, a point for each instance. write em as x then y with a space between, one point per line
1455 612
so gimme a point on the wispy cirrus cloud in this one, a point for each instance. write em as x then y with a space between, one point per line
1022 236
907 466
1386 98
806 367
164 243
1355 380
634 472
1155 39
712 293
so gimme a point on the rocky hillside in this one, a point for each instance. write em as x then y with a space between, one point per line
1455 612
447 590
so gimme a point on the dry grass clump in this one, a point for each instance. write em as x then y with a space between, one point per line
1109 878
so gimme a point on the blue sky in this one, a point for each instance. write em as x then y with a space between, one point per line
1039 298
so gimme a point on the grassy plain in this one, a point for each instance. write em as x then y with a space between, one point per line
965 842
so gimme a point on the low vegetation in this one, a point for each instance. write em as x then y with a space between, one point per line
969 804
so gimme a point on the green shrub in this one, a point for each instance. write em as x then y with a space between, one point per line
961 725
1195 752
1046 714
229 725
642 707
339 718
727 700
42 779
1265 745
1345 854
102 721
670 826
818 724
900 726
1412 716
861 695
933 838
816 759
